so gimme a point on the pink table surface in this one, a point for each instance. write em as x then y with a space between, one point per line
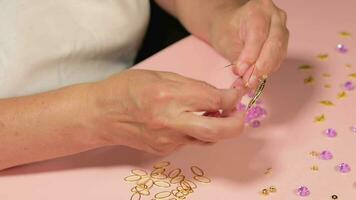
236 166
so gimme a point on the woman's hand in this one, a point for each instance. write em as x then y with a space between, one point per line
155 111
254 37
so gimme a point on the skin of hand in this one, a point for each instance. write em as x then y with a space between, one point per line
251 34
147 110
156 111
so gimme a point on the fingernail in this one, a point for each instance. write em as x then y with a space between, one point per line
238 83
242 67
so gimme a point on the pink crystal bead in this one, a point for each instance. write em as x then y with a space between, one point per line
330 132
255 112
349 85
353 129
303 191
344 168
326 155
341 48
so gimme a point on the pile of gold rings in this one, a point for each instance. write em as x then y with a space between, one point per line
171 183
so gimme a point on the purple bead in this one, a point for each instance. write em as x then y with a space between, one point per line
344 168
256 124
353 129
330 132
326 155
303 191
349 85
341 48
255 112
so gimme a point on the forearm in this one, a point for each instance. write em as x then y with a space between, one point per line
45 126
198 15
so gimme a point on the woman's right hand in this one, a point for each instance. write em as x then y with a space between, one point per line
155 111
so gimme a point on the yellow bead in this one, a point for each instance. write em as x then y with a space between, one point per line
264 192
272 189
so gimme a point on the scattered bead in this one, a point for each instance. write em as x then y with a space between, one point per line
314 168
326 155
327 103
268 171
314 153
303 191
330 132
344 168
322 57
341 48
254 113
353 129
353 75
345 34
349 86
264 192
305 67
327 86
334 196
342 95
320 118
309 80
272 189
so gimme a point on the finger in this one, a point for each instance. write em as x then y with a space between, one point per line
202 98
256 35
272 54
209 129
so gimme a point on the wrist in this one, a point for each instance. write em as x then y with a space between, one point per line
109 112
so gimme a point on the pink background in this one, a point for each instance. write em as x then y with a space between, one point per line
236 166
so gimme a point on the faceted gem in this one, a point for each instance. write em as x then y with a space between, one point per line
330 132
349 86
303 191
255 112
341 48
344 168
326 155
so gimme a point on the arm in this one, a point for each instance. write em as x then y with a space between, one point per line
147 110
47 125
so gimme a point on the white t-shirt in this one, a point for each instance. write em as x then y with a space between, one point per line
48 44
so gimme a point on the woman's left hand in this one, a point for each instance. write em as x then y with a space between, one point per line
254 37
